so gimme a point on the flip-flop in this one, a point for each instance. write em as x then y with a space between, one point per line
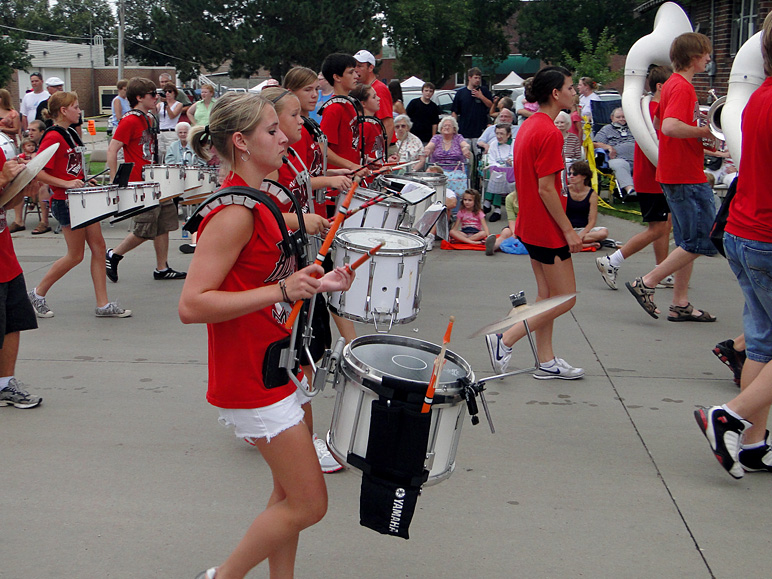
643 295
686 314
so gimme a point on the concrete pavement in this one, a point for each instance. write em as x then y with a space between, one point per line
124 471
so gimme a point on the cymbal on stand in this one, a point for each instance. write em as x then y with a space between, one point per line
521 314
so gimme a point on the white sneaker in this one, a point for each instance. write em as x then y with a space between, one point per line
112 310
558 369
607 271
39 305
429 240
498 352
668 282
326 460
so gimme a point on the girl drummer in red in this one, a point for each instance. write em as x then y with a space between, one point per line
542 224
240 284
65 171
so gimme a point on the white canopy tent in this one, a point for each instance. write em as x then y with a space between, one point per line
412 82
513 80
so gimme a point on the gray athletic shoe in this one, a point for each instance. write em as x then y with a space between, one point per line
112 310
13 395
561 370
607 271
668 282
39 304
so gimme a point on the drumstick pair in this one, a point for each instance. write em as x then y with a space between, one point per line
437 369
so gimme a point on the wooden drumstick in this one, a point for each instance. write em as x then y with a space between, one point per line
437 369
366 256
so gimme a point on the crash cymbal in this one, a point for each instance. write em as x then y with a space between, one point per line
24 178
522 313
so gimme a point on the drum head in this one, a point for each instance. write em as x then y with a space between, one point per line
396 242
407 359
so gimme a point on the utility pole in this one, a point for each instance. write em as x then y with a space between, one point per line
120 38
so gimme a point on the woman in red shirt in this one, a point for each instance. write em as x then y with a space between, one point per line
542 224
65 171
240 283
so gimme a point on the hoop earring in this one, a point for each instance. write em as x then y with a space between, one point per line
248 156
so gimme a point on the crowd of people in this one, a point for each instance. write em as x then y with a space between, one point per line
245 276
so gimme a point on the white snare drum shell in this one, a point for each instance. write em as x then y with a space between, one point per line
89 205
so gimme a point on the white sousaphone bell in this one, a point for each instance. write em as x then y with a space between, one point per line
724 116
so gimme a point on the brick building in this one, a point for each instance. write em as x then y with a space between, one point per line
73 64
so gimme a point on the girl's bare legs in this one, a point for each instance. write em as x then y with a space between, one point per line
299 500
96 243
76 245
551 280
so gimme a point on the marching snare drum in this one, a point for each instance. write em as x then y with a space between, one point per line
8 146
417 195
91 204
136 198
206 179
386 214
365 362
390 292
171 178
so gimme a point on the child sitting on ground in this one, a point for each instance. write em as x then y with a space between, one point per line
470 226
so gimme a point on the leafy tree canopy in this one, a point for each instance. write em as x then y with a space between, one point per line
550 28
272 35
594 61
13 56
431 36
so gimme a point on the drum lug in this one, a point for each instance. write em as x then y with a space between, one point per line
401 268
429 463
329 364
83 201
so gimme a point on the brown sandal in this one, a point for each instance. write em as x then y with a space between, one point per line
643 294
686 314
41 228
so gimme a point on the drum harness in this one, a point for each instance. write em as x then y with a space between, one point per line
360 118
320 138
72 139
292 245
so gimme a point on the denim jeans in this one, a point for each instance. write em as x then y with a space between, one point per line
693 211
751 262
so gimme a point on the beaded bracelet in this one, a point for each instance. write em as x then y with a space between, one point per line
283 287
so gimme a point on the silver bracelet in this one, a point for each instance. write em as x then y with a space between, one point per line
283 288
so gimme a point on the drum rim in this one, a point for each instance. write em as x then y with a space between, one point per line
392 201
363 371
97 189
140 184
407 251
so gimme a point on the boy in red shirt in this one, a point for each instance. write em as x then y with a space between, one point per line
339 119
683 181
136 136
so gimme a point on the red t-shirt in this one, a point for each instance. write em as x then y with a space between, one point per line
311 153
138 142
297 180
67 162
237 347
750 215
645 174
680 160
538 152
339 123
371 133
386 107
9 265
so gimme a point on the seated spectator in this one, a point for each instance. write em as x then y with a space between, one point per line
501 180
488 137
409 147
572 146
617 140
397 103
470 226
582 205
450 151
493 242
179 152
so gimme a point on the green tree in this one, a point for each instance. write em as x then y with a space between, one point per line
431 36
273 35
548 28
594 62
186 34
13 56
84 18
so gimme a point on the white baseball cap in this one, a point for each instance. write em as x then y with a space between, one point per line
365 56
54 81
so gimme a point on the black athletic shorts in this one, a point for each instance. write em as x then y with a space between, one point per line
547 255
16 313
654 207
